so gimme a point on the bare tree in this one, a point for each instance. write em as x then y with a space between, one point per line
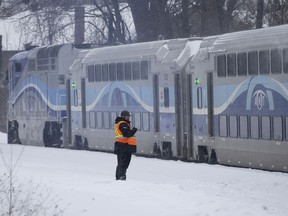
22 198
260 10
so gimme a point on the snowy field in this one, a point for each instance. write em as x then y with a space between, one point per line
82 183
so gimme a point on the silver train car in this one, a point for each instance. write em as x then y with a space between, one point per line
221 99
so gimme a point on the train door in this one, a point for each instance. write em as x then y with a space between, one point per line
210 104
183 115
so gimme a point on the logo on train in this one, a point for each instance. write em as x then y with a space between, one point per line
259 99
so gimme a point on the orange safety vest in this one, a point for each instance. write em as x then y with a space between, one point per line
120 138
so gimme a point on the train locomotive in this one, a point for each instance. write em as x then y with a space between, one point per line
219 99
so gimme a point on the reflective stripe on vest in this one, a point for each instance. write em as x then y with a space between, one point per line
120 138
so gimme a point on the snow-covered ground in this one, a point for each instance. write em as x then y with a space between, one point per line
83 184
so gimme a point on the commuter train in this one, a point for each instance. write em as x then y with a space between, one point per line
220 99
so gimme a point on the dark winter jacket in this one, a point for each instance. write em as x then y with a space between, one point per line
127 132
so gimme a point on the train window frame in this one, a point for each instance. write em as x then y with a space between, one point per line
144 69
98 72
276 61
264 62
138 120
277 129
90 73
265 134
221 65
252 126
145 119
253 63
99 120
120 71
106 120
128 71
285 60
242 129
286 128
112 71
199 98
92 119
105 72
233 131
231 65
135 70
242 64
223 130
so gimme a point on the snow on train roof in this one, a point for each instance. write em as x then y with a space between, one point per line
177 51
122 51
248 39
19 56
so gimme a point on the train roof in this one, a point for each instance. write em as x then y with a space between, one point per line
122 51
175 51
264 37
19 56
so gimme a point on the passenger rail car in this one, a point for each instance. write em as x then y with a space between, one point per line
241 95
219 99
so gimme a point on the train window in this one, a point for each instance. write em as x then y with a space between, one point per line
221 65
242 64
264 62
53 63
285 60
253 63
233 126
223 126
231 64
99 120
106 120
90 73
166 97
112 72
18 67
286 126
137 120
266 127
144 70
145 121
61 79
276 61
75 98
199 97
120 71
127 71
135 70
105 74
243 120
31 65
92 119
254 127
132 118
43 64
277 128
98 73
113 117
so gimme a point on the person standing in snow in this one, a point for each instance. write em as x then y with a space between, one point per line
125 143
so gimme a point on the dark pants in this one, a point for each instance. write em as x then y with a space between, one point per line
123 159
